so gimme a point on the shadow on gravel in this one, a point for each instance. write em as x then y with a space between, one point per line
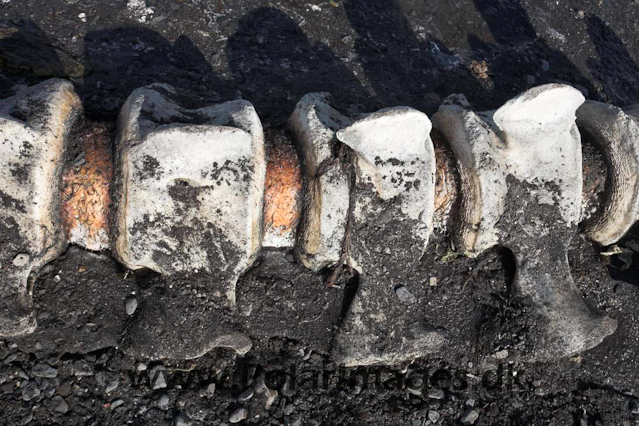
494 73
26 55
616 71
120 60
271 61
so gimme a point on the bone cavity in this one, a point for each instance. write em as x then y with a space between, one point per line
34 124
521 187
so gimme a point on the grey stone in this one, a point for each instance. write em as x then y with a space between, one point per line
115 404
404 295
469 417
435 393
163 401
44 370
183 420
238 415
433 416
61 405
130 304
246 395
82 368
30 391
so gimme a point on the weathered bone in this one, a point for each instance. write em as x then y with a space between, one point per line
321 234
33 129
189 200
392 204
192 186
521 188
617 134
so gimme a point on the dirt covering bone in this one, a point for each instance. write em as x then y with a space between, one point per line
189 195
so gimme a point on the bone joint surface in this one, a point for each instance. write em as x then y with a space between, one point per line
521 188
616 132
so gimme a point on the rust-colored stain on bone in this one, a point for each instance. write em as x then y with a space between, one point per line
446 181
85 195
282 195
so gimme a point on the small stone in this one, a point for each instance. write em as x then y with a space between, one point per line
271 396
404 295
432 281
436 393
141 366
130 304
44 370
30 391
158 377
545 65
61 405
82 16
57 279
82 368
163 402
289 409
9 359
210 390
433 416
469 417
530 79
115 404
27 419
21 260
290 257
503 354
581 14
238 415
246 395
183 420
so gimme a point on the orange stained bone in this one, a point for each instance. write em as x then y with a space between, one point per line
85 194
282 195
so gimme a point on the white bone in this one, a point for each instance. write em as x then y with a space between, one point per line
33 130
192 183
391 220
323 228
521 187
617 134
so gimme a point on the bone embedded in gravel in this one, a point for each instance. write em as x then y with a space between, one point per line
522 188
192 183
391 218
34 127
321 234
617 134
